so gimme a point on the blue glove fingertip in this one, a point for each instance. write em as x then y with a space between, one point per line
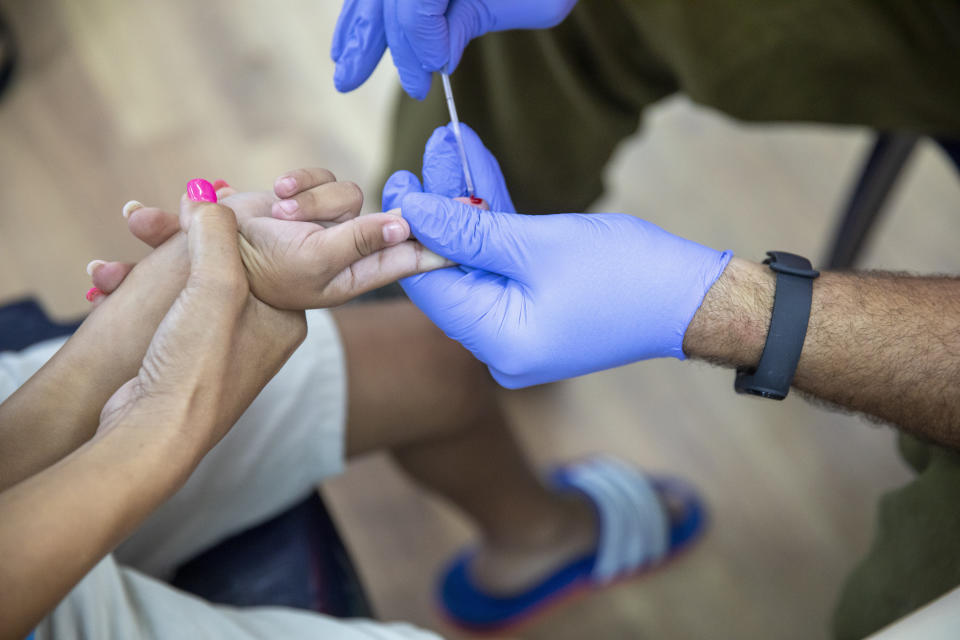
442 172
357 61
416 84
341 78
397 186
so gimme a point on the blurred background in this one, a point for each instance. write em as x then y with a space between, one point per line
129 99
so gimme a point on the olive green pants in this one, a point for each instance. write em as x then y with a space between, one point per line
553 105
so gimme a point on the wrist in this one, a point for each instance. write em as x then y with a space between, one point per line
730 327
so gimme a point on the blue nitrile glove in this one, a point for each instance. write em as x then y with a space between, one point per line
548 297
425 35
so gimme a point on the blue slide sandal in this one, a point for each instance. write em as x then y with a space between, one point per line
635 537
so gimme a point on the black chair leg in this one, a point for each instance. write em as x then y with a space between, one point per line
8 54
952 149
880 172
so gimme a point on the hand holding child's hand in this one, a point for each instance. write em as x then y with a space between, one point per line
316 251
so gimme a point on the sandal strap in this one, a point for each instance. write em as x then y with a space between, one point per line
634 529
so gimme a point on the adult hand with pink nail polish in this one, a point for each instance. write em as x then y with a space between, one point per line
217 295
153 430
305 245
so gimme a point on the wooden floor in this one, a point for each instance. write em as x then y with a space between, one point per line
130 99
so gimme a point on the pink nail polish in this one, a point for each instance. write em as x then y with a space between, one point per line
93 293
199 190
220 184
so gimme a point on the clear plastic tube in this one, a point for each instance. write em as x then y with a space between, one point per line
452 108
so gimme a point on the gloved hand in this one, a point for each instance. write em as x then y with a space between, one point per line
546 297
425 35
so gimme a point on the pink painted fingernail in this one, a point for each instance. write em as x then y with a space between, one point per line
289 207
93 293
93 264
199 190
220 184
394 233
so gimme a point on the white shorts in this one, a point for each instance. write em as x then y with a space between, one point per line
290 439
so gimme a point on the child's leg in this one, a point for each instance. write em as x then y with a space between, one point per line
429 401
411 390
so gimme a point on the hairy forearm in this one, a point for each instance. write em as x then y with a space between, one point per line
58 409
887 345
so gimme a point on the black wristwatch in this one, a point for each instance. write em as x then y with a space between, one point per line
788 328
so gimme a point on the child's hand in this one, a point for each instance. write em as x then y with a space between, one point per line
319 253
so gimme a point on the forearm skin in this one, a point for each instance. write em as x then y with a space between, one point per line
99 494
105 352
886 345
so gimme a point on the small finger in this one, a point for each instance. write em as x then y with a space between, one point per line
341 246
152 226
330 202
293 182
107 276
380 269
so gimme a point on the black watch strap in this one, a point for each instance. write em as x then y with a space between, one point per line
788 328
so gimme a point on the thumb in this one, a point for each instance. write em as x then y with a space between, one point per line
214 248
470 236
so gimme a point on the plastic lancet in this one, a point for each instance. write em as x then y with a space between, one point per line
455 121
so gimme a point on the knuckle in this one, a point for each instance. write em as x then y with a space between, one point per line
309 201
362 242
230 287
213 211
354 195
320 175
152 226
